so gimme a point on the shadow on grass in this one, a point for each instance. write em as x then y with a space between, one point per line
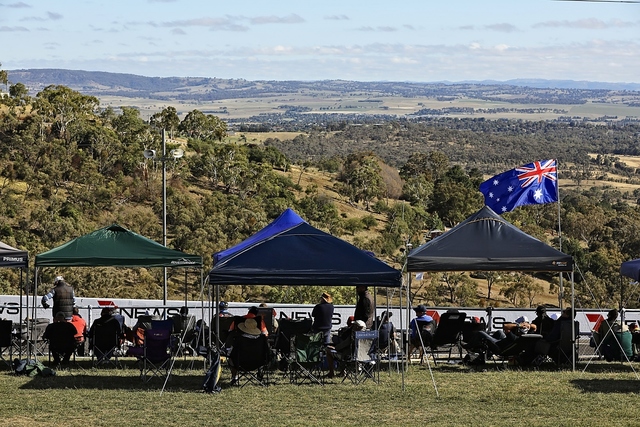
606 385
83 376
86 380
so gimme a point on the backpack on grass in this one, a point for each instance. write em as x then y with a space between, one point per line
31 368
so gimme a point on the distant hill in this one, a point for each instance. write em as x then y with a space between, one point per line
205 88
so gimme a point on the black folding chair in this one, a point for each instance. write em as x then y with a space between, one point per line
250 358
448 335
6 341
105 339
426 330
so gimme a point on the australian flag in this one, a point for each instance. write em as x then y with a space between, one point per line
531 184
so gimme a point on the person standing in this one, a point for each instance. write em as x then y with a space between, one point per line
364 306
322 317
63 298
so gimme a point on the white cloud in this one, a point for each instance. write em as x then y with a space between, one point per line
6 29
54 16
336 18
19 5
213 24
588 24
503 28
382 29
178 32
289 19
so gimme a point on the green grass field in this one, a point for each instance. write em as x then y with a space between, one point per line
84 396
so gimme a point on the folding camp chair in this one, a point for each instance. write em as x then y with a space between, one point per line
284 343
309 356
522 351
6 341
105 340
448 335
266 313
426 329
35 332
61 341
184 332
156 356
362 365
250 358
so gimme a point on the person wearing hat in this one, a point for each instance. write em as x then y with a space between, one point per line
420 338
247 330
323 316
63 298
223 309
322 322
519 327
252 314
543 323
387 335
61 337
364 306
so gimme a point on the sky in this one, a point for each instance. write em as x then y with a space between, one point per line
362 40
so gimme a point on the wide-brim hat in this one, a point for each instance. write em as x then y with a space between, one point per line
250 326
327 297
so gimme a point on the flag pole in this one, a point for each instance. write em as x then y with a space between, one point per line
561 293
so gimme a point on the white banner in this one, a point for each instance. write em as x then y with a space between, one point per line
132 308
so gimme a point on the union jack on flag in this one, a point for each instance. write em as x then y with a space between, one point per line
532 184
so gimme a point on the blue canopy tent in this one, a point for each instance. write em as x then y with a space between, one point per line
631 269
289 251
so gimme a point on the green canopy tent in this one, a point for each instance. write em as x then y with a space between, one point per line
115 246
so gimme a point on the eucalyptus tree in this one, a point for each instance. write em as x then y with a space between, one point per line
64 110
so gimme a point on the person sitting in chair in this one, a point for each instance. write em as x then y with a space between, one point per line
81 330
105 334
418 337
387 335
253 313
543 323
247 330
61 337
343 348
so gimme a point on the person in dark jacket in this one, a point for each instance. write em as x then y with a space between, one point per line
61 337
63 298
364 306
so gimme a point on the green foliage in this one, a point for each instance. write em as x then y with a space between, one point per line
67 168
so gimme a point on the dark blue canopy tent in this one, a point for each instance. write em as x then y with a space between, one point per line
631 269
289 251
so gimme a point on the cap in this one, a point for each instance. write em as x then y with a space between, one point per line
420 309
58 279
522 319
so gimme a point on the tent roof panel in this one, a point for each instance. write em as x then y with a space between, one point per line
12 258
302 255
115 246
487 242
